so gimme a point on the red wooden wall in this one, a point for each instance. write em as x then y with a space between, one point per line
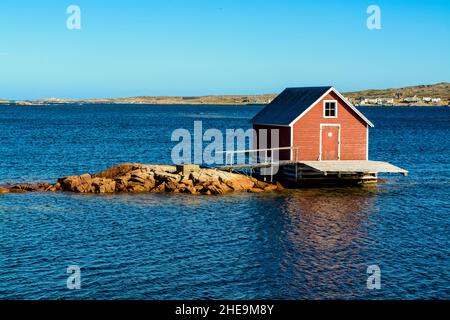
284 141
306 132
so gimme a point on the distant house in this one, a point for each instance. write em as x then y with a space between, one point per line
385 101
426 99
317 123
370 101
436 100
379 101
411 99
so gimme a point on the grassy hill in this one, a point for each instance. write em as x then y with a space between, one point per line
438 90
441 90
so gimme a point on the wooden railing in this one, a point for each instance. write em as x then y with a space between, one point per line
262 155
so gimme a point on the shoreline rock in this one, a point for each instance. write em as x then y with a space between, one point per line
134 178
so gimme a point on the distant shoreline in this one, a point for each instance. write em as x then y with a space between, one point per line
68 104
422 95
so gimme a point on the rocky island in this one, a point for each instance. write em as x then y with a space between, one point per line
136 178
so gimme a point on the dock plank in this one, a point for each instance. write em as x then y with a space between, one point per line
330 166
354 166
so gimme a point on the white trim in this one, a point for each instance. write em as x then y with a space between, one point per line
336 109
339 138
367 142
353 108
310 107
292 143
270 124
343 99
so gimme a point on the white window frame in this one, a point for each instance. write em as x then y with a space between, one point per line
323 107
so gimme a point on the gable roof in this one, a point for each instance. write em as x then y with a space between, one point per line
291 104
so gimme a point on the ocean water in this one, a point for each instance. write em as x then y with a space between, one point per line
297 244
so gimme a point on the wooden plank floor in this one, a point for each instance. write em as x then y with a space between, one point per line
354 166
340 166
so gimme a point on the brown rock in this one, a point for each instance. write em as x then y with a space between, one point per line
235 181
202 178
166 176
152 178
12 190
185 169
116 171
4 190
171 184
271 187
159 188
192 190
121 184
255 190
186 181
81 183
199 188
261 184
103 185
218 188
136 187
280 186
29 187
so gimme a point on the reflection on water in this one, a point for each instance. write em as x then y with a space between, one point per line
328 217
317 239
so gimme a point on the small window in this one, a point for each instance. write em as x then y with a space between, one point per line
330 109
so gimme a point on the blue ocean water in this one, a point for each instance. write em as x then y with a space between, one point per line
297 244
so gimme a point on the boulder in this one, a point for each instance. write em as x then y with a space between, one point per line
122 183
202 177
218 188
280 186
136 187
81 183
29 187
261 184
116 171
171 184
271 187
152 178
4 190
159 188
166 176
185 169
255 190
103 185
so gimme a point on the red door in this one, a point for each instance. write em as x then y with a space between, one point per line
330 143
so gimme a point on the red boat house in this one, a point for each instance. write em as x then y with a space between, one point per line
318 123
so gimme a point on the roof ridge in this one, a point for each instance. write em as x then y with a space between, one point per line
293 102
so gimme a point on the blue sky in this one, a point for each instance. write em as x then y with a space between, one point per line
171 47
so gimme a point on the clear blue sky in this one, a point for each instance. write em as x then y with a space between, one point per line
176 47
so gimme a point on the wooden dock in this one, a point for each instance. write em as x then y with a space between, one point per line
353 167
337 172
311 172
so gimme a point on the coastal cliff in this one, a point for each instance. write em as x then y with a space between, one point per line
134 178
